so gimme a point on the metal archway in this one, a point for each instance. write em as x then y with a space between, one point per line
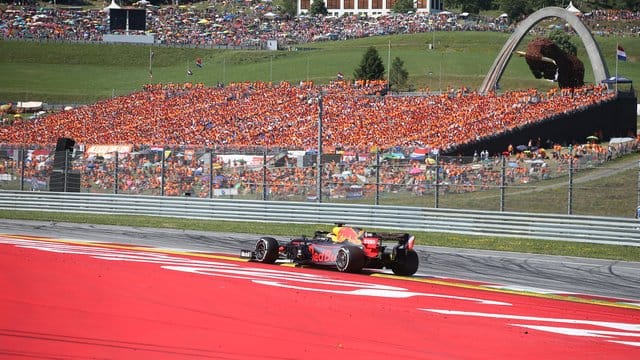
600 71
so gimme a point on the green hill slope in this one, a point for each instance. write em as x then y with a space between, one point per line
82 73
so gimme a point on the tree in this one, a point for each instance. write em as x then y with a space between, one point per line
516 9
318 8
288 7
471 6
403 6
371 66
563 41
398 75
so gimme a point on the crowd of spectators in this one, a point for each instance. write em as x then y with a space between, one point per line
356 119
355 116
252 26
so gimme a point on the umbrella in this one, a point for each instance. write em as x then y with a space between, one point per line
362 178
592 138
394 156
415 171
521 147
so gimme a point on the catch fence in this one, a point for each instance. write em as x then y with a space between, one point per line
544 181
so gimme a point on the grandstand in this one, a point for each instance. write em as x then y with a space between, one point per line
357 117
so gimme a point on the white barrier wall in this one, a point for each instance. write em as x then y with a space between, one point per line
136 39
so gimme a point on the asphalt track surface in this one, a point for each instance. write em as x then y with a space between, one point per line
593 278
65 299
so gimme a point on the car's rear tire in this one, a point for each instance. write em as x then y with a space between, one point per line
267 250
406 263
350 259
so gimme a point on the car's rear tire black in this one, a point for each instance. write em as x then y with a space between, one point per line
350 259
267 250
406 263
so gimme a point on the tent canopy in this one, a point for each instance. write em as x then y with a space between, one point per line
572 8
113 5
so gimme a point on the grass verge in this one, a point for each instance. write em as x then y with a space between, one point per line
565 248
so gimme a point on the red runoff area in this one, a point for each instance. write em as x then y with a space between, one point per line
68 306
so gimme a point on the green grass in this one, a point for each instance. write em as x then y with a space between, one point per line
84 73
627 253
607 196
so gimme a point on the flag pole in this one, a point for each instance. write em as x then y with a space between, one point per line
150 62
617 46
389 71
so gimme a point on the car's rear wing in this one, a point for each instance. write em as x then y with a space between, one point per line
403 239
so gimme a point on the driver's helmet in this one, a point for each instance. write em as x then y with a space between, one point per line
334 234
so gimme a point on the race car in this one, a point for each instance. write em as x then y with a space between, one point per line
349 249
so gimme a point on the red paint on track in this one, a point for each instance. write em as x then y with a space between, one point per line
57 305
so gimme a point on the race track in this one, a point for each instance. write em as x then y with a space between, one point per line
528 272
66 299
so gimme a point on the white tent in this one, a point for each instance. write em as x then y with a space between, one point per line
29 105
573 9
113 5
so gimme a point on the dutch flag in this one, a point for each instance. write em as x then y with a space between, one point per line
622 56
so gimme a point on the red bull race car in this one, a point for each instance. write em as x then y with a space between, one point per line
348 249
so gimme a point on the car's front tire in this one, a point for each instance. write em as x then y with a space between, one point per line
267 250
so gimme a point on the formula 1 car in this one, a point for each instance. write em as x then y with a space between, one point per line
349 249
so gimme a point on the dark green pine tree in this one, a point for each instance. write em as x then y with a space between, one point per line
371 66
318 7
403 6
287 7
398 75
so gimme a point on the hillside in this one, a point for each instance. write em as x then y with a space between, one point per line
84 73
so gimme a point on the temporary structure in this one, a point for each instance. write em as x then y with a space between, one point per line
573 9
113 5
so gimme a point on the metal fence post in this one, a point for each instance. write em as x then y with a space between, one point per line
211 174
570 190
437 192
264 175
22 167
115 174
66 168
319 160
503 173
377 199
162 172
